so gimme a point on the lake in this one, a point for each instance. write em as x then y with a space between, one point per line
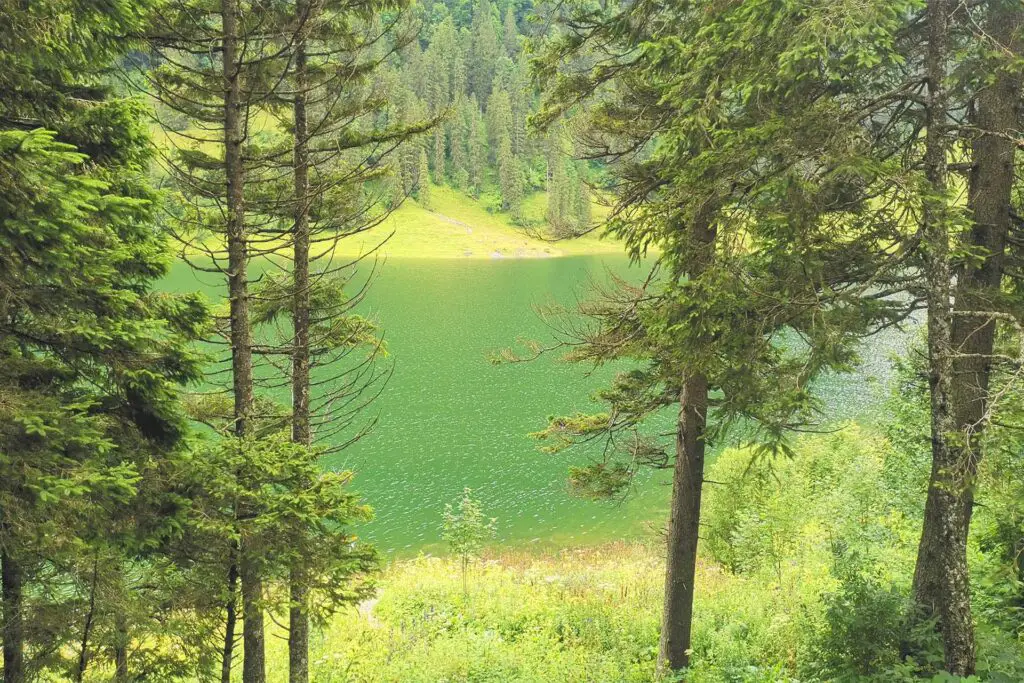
450 419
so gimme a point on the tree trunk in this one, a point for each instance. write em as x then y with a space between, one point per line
298 628
121 649
253 669
687 484
941 586
90 617
13 625
253 645
979 283
298 615
231 617
237 240
681 568
941 580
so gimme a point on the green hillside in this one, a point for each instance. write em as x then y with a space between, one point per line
458 226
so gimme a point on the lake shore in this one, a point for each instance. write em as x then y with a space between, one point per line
515 616
455 227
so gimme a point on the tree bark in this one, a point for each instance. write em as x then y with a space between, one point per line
298 615
237 239
941 586
687 484
253 645
979 283
230 610
90 616
253 666
298 628
941 579
13 620
121 649
681 568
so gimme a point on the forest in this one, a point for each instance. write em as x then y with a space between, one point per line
511 341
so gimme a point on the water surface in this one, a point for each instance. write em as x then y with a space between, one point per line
450 419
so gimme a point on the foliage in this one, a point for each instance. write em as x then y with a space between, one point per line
837 520
580 615
588 614
716 180
472 73
466 529
92 358
297 513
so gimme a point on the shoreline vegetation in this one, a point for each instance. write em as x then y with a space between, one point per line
795 580
458 227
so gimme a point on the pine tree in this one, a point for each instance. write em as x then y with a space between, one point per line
581 204
961 337
520 100
91 358
457 132
484 50
510 177
561 195
499 122
439 154
477 148
220 96
327 76
695 332
510 33
423 181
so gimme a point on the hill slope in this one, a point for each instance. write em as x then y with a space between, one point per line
457 226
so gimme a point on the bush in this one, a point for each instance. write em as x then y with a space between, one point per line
772 516
863 628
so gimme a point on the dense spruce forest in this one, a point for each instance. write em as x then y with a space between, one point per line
665 340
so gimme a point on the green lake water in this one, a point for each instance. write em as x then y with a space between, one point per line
450 419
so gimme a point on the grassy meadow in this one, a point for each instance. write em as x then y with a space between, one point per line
798 581
455 225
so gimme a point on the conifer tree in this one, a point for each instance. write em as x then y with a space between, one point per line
561 196
477 147
457 132
510 34
484 51
337 148
961 336
499 122
91 358
520 100
446 44
220 97
510 178
795 168
423 181
439 154
581 204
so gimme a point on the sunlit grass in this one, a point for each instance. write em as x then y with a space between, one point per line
587 614
458 226
572 615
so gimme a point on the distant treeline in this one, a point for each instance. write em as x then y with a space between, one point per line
470 65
